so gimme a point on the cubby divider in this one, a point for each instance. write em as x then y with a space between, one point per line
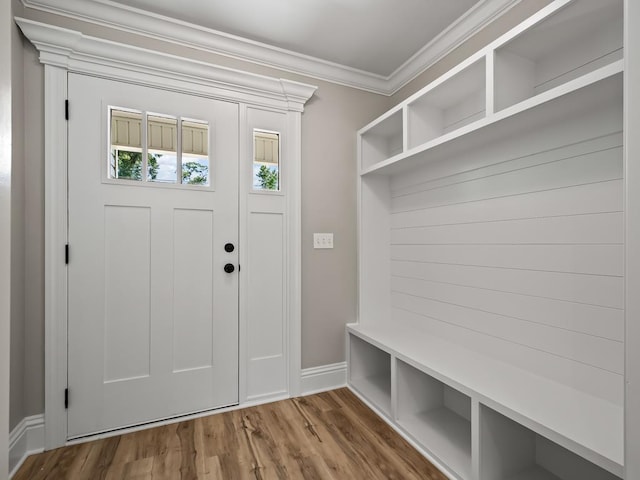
511 451
436 415
370 372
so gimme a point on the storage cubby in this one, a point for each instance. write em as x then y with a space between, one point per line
579 38
370 373
511 451
454 103
382 140
436 416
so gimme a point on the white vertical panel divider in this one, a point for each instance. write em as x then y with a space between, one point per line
245 151
55 94
405 128
632 241
294 259
475 437
490 87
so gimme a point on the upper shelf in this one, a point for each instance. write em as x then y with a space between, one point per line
568 47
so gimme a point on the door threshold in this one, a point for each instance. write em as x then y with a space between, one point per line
168 421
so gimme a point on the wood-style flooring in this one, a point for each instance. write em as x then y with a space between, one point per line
330 435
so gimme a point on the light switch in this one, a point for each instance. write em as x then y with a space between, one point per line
323 240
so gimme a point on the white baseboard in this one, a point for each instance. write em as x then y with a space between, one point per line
24 440
320 379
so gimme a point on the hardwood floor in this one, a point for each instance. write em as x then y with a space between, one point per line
331 435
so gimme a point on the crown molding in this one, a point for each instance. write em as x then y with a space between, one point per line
77 52
122 17
474 20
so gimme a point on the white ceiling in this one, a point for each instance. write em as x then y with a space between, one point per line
376 36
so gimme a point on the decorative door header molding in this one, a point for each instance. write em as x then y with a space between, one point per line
80 53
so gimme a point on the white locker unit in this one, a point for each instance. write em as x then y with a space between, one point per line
491 255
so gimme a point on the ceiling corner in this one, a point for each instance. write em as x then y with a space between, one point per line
478 17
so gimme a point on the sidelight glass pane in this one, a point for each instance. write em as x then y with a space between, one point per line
195 152
266 160
162 144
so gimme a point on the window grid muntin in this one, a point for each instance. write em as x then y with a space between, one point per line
144 149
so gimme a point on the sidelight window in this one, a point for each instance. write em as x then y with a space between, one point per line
266 160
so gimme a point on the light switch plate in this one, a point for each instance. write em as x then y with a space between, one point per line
323 240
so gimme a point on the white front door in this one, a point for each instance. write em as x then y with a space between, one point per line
153 315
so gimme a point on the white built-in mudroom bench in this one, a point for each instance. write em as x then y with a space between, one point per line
491 256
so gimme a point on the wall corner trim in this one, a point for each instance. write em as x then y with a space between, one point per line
323 378
25 439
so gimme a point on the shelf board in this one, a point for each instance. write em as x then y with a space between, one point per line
564 101
586 425
445 434
377 389
535 473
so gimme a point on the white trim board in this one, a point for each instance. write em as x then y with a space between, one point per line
25 439
323 378
122 17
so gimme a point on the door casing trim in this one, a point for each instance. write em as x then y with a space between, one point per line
63 51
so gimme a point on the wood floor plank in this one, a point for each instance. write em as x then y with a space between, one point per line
327 436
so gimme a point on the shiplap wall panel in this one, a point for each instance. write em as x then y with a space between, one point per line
583 135
585 259
593 320
588 289
599 228
601 197
599 166
595 381
519 253
468 110
588 349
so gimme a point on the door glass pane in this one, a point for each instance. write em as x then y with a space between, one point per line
195 152
162 144
266 160
125 160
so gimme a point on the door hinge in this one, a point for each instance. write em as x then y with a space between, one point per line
66 109
66 398
66 254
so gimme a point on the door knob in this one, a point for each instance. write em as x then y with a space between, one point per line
229 247
229 268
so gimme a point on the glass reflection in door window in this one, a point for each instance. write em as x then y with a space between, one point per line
266 160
